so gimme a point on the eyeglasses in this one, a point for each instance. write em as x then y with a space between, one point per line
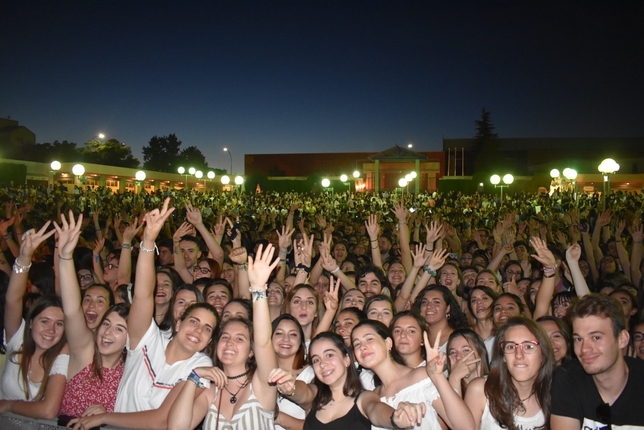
112 266
85 277
604 415
512 272
528 346
203 270
638 337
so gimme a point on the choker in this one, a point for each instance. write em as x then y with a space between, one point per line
239 376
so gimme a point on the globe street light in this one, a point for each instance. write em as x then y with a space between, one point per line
231 159
554 173
78 169
344 178
192 170
181 171
356 174
571 175
607 168
326 183
225 179
239 180
210 175
198 174
140 177
496 181
55 167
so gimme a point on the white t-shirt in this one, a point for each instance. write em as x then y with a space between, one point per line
12 386
524 423
147 378
285 405
422 391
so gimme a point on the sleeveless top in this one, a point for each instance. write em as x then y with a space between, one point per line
85 390
422 391
251 415
353 420
523 423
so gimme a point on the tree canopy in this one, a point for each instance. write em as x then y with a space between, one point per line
111 153
161 153
486 143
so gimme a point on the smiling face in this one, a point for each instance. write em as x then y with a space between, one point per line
449 277
228 272
480 304
380 311
48 327
596 346
459 348
504 309
522 366
163 292
488 280
275 294
469 278
286 339
370 285
433 307
340 252
95 303
407 335
396 274
218 297
190 252
329 364
344 324
353 299
234 345
557 339
111 335
303 307
196 329
201 270
638 341
369 348
322 286
184 299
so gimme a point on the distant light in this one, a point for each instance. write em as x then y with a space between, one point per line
239 180
101 136
211 175
608 166
495 179
140 175
326 183
413 174
356 174
199 174
344 177
570 174
181 170
225 180
408 177
554 173
508 179
402 182
481 184
226 149
78 169
55 165
192 170
409 145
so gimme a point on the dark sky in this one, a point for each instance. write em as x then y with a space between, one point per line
318 76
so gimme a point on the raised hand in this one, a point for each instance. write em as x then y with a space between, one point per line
637 232
543 255
131 231
435 358
68 235
260 267
420 258
331 296
238 255
438 259
465 367
573 253
373 228
603 219
154 221
400 211
285 237
99 244
193 215
5 224
619 229
321 220
434 231
183 230
32 239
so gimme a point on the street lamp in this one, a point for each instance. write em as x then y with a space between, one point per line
231 159
55 167
192 170
181 171
344 178
239 180
198 174
607 168
326 183
571 175
140 177
78 170
356 174
211 176
225 179
496 181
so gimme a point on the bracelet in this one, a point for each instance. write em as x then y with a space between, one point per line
144 249
63 258
97 258
282 261
372 240
18 268
429 250
242 266
288 395
334 271
429 270
552 275
301 266
126 246
550 269
258 294
393 424
194 378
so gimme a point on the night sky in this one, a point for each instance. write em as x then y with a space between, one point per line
320 76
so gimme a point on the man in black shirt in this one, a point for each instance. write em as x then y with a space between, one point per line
603 390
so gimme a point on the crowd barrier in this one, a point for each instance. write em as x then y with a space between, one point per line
10 421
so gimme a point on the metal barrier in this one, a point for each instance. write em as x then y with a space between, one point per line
10 421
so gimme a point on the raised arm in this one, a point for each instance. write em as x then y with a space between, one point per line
239 257
373 229
194 217
259 270
405 252
636 254
419 260
572 257
125 261
624 261
18 281
79 336
330 265
142 309
284 244
179 261
331 307
547 288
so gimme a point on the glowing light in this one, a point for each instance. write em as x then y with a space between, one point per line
344 177
239 180
140 175
199 174
211 175
55 165
402 182
326 183
78 169
225 180
181 170
508 179
495 179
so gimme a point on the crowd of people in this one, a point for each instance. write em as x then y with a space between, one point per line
184 309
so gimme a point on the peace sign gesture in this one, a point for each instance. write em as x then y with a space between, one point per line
331 296
435 358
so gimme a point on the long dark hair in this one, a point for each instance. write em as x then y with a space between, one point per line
456 318
501 393
122 310
352 385
422 325
299 360
29 345
476 343
251 362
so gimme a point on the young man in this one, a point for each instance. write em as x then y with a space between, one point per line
602 390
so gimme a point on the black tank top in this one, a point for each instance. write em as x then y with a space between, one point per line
353 420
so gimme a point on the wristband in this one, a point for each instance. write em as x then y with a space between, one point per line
258 295
552 275
18 268
144 249
194 378
393 424
242 266
126 246
301 266
63 258
429 270
334 271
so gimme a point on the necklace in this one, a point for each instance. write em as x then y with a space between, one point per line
521 408
233 398
239 376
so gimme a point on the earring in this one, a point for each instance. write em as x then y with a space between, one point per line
447 315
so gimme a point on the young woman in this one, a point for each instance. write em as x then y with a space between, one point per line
241 397
407 329
166 284
36 365
373 348
480 305
305 305
95 301
96 360
560 338
345 321
516 394
275 299
467 359
380 308
185 296
237 308
353 298
441 312
489 279
336 398
156 367
450 276
206 268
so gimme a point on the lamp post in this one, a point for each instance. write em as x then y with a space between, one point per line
496 181
231 160
607 168
182 171
571 175
225 180
55 167
198 174
78 170
402 183
211 176
140 177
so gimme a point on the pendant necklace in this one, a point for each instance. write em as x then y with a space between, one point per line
521 408
233 399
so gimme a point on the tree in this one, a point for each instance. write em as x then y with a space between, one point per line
111 153
486 142
162 153
193 157
61 151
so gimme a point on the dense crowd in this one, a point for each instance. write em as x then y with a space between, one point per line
184 309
